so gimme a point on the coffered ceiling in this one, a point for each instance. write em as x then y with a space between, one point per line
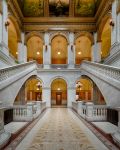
59 8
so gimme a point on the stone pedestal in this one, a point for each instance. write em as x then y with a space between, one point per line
89 111
47 96
79 109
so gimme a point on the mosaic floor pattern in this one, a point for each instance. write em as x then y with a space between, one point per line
60 132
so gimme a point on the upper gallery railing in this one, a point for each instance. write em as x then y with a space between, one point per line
96 68
12 71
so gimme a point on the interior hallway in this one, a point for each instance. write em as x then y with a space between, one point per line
60 129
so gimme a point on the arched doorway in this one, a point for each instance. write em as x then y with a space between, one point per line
35 49
59 53
87 90
30 91
59 92
83 49
12 40
106 40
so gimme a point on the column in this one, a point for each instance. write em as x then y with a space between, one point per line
71 96
46 94
46 52
71 50
114 19
5 28
96 50
22 50
46 8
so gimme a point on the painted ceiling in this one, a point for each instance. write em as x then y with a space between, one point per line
59 8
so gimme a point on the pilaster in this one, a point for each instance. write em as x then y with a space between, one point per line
96 50
46 94
46 51
71 50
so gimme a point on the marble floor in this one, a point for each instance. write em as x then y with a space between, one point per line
13 127
60 129
106 127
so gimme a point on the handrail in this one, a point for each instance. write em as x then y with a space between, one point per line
106 70
12 70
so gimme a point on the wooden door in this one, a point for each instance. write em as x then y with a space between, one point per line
58 98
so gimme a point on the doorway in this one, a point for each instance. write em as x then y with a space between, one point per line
58 98
59 93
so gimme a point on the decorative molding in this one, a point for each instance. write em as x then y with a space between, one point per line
33 33
71 9
82 27
104 8
14 8
46 8
84 33
62 33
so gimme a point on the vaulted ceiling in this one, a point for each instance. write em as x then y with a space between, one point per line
59 8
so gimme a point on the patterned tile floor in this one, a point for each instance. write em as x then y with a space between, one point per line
61 132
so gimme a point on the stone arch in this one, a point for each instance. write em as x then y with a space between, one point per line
53 35
56 77
31 34
87 34
101 26
18 30
83 76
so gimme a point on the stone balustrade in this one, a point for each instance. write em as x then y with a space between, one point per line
29 111
89 111
107 71
13 70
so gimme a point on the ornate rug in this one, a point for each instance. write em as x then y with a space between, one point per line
60 132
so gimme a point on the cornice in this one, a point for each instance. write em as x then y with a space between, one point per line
49 23
81 27
63 20
103 9
16 11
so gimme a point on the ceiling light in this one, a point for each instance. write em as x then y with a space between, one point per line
38 53
58 68
37 89
79 53
16 53
58 89
59 53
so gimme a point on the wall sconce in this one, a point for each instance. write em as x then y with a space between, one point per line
112 23
7 24
46 47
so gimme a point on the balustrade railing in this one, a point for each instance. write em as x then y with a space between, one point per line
90 111
29 111
100 112
106 70
10 71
